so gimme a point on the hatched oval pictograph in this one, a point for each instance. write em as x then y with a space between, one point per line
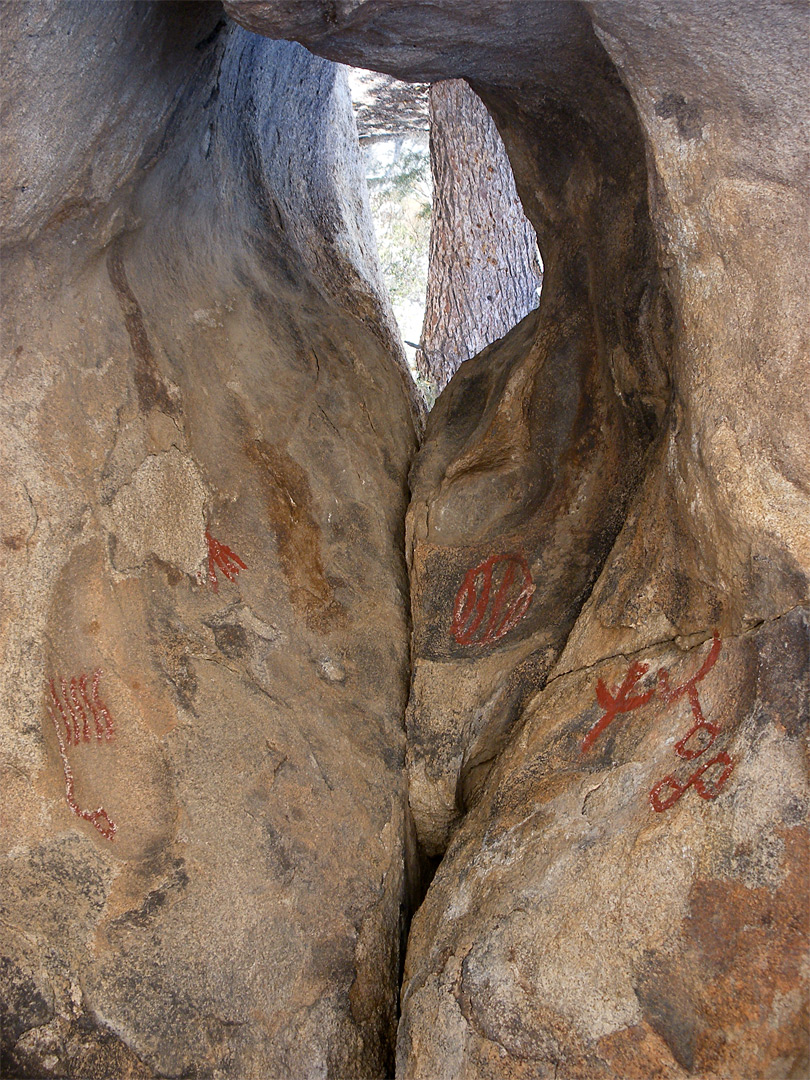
492 599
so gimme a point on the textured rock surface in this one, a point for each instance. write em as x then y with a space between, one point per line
536 449
203 846
721 531
204 625
531 457
605 488
589 920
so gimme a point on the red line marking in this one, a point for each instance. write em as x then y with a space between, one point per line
520 608
681 748
659 804
704 790
88 705
484 575
73 693
670 694
497 603
696 779
78 711
86 698
465 601
58 704
669 789
73 733
103 711
475 600
220 555
617 701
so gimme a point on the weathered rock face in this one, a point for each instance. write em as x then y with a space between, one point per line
721 99
204 614
204 625
629 897
531 458
609 545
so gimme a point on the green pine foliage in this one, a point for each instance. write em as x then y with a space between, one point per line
401 204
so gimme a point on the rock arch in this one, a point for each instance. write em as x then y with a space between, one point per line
606 536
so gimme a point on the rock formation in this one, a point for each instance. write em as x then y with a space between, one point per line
204 619
609 550
208 855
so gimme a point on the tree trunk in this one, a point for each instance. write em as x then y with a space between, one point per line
484 273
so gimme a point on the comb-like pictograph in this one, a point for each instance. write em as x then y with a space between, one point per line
221 557
79 715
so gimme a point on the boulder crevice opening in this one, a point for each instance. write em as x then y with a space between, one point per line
281 668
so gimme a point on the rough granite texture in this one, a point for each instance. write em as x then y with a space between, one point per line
203 848
609 503
208 852
621 909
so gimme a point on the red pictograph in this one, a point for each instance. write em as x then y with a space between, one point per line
492 599
80 715
670 694
617 701
220 556
694 744
78 707
706 787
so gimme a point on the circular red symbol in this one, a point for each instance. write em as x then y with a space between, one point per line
493 598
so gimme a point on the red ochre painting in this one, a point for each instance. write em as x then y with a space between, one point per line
221 557
493 598
710 777
80 715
